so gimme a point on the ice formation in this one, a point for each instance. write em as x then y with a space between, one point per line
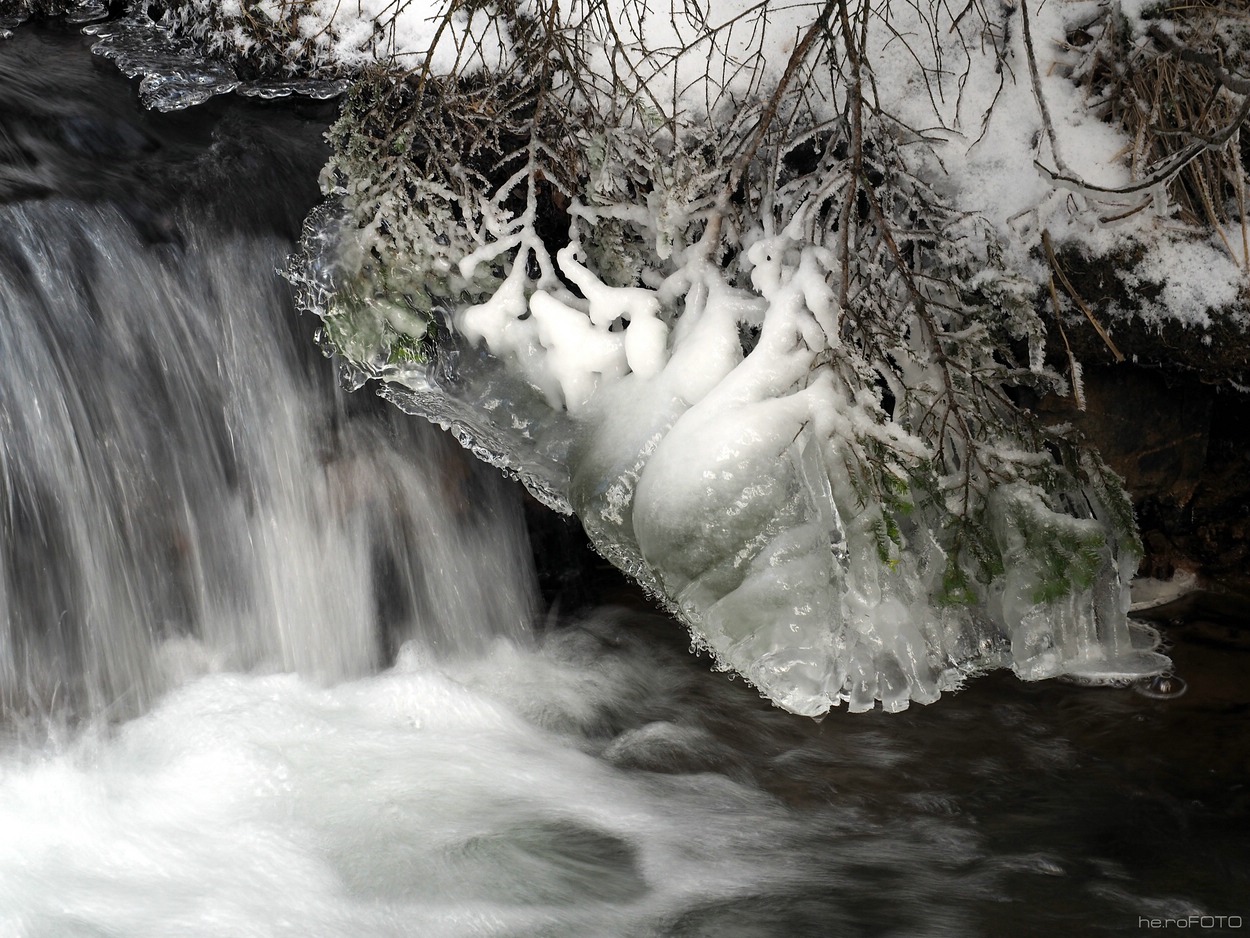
173 77
755 420
724 482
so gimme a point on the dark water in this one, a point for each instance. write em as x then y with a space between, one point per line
273 659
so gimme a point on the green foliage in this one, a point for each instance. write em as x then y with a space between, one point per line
405 350
1065 553
371 320
956 589
403 232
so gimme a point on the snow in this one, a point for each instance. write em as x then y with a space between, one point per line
1195 279
686 59
339 37
964 87
692 62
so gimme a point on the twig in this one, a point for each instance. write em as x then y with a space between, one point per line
1160 176
1078 391
1076 297
1239 180
774 102
1036 79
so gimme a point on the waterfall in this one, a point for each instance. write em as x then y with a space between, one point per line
182 486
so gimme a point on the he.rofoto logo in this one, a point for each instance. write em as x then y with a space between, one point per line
1193 921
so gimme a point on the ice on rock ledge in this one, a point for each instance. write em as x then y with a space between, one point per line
724 481
175 76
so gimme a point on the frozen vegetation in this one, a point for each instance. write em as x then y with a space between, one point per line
761 292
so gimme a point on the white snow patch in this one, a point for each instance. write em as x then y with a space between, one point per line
1196 276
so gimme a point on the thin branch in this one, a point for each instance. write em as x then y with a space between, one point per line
1036 78
1234 83
774 102
1076 298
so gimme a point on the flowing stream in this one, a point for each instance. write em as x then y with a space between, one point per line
274 659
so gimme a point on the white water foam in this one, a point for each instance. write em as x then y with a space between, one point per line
462 799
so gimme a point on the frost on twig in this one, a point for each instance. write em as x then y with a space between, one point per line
716 300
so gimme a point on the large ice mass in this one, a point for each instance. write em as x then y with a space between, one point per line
757 291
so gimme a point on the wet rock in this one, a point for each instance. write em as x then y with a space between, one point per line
1152 428
1181 443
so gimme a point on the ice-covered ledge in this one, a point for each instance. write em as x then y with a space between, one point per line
774 371
722 481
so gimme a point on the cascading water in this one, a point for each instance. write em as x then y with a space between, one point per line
180 476
174 478
269 662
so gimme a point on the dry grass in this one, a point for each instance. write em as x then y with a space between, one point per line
1182 103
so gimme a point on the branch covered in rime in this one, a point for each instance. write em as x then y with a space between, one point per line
731 270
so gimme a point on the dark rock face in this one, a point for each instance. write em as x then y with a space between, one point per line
1213 528
1169 415
1155 431
1218 353
1182 446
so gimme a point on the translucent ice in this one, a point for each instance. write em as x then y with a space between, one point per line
726 481
175 76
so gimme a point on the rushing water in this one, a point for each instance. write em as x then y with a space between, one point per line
273 661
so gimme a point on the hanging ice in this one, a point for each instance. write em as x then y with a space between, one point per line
729 480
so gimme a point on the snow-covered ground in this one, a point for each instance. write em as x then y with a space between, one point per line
960 78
